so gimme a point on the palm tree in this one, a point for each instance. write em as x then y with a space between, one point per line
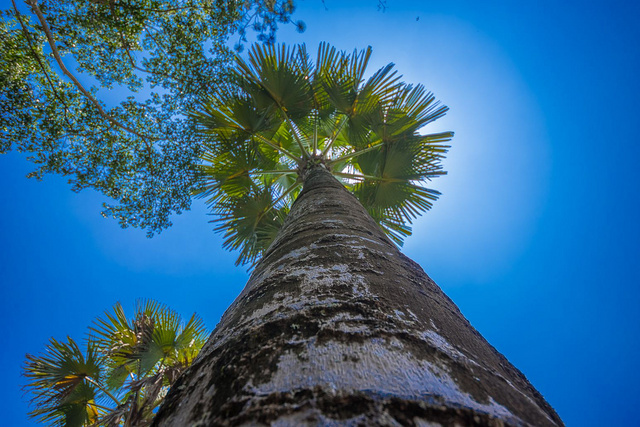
122 376
336 325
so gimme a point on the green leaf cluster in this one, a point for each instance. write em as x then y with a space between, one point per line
283 114
62 64
122 375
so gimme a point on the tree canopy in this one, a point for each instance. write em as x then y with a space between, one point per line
256 125
283 113
64 66
122 375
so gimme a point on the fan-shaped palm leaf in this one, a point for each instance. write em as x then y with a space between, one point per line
122 375
365 130
64 383
155 336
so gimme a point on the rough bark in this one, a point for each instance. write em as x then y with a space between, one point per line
337 327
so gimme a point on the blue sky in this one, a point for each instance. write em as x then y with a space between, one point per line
535 236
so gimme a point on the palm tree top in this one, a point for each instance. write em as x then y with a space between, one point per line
283 114
123 373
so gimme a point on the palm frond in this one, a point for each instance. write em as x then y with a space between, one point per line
155 335
279 72
392 189
58 383
250 222
284 111
121 376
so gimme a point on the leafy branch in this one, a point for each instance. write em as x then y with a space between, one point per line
56 54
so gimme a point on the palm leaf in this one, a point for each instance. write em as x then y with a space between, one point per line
190 340
250 222
135 359
61 383
365 129
279 72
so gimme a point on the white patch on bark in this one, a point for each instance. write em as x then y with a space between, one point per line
413 315
315 278
293 304
298 253
341 317
422 423
443 345
312 281
352 329
355 246
372 365
400 315
357 238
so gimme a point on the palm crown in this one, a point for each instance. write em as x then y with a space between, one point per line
283 114
122 376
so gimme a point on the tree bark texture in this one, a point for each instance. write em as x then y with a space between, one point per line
337 327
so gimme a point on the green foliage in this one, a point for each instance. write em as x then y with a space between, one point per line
259 124
58 61
123 374
284 114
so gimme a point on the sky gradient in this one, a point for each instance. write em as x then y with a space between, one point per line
535 237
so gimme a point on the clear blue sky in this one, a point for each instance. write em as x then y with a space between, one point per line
536 236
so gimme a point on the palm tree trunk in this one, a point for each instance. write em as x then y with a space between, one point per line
337 326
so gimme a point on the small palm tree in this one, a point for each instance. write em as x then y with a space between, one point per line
123 374
284 115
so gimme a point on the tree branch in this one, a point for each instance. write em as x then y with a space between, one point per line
42 67
132 61
56 54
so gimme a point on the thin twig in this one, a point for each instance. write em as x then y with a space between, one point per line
151 33
132 61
